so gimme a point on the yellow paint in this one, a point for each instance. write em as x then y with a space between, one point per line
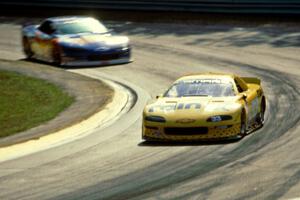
196 110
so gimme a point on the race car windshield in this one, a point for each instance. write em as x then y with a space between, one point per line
80 26
201 87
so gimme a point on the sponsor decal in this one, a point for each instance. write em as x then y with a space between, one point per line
200 81
174 106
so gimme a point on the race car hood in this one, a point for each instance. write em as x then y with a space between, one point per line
193 107
94 40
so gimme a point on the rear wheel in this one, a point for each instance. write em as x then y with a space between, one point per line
260 120
27 47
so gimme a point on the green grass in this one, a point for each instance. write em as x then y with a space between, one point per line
27 102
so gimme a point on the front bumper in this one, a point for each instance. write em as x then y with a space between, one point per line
93 57
78 63
159 133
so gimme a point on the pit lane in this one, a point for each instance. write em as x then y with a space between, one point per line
264 165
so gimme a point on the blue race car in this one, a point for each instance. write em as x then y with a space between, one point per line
75 41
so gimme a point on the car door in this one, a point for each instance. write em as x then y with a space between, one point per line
43 46
251 100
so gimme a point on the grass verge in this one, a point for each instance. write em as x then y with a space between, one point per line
27 102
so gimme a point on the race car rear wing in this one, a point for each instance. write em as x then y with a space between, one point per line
251 80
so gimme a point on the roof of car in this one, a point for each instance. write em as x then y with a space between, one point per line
66 18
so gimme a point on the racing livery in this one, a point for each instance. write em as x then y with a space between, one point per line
206 107
75 41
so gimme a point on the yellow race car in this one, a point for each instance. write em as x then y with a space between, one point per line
206 107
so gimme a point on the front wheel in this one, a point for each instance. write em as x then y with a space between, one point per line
243 129
56 56
27 48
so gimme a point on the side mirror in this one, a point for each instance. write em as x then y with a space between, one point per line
243 96
158 96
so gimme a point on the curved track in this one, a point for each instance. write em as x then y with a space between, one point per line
263 165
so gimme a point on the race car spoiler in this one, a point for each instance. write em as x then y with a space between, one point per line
251 80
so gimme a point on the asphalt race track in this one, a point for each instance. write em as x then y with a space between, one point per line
118 165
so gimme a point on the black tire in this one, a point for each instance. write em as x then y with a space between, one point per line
56 56
260 119
243 129
27 48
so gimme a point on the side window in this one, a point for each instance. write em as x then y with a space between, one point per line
47 27
240 89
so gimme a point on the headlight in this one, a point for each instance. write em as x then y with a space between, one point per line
155 119
218 118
